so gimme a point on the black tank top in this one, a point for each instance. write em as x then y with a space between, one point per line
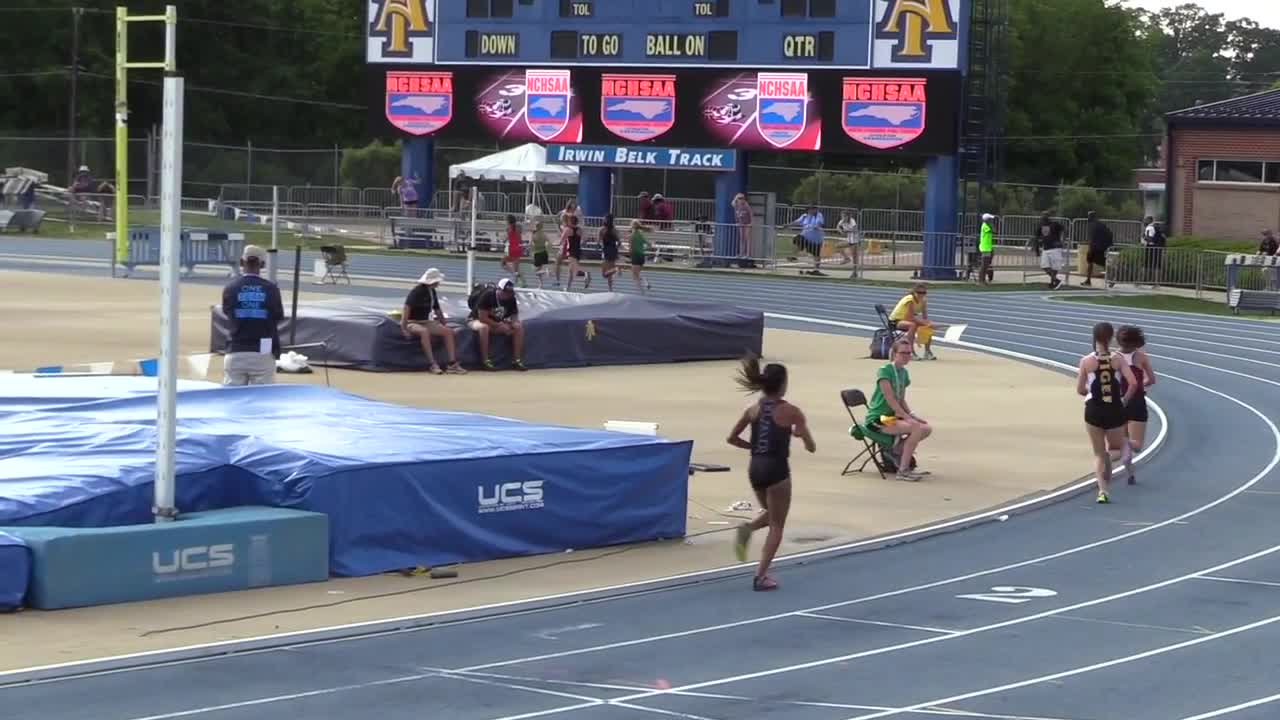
767 437
575 240
1104 384
608 239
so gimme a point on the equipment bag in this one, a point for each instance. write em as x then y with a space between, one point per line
881 344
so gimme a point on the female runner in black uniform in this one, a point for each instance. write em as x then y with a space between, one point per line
773 421
573 249
609 250
1132 340
1099 381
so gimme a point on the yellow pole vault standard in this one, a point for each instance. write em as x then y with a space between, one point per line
170 19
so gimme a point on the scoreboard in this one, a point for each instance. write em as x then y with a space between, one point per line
855 76
767 34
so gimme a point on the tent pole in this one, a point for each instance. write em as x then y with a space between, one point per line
471 242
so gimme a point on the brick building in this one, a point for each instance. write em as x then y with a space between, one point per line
1223 167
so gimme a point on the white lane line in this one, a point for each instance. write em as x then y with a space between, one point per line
1234 708
357 631
285 698
1074 671
1240 581
1197 630
824 662
859 621
946 712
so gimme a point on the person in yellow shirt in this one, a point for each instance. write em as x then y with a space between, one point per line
911 315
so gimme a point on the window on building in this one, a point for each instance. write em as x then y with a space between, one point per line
1243 171
1238 171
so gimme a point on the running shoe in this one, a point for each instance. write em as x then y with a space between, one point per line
741 542
928 355
518 365
435 369
909 476
488 365
762 584
1133 479
455 369
1103 499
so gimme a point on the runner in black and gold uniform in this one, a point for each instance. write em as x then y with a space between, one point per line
773 422
1099 381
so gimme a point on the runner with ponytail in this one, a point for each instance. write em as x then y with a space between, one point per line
773 422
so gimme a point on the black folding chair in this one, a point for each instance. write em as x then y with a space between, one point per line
335 264
872 446
888 323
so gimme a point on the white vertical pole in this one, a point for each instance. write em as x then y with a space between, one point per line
471 241
170 253
275 231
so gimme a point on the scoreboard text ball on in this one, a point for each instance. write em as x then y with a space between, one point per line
855 76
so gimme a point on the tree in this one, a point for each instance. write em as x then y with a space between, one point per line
1081 85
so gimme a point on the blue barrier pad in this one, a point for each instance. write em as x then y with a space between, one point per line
15 569
401 486
209 552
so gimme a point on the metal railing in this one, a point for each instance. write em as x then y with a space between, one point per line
1188 269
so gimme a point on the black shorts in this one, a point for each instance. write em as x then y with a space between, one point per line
540 258
803 244
1097 258
766 471
576 253
1136 411
1105 417
610 254
637 260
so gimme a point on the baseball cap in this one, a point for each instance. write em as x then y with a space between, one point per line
504 284
432 276
253 252
988 216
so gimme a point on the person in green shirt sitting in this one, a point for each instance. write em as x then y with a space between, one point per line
639 249
889 414
987 248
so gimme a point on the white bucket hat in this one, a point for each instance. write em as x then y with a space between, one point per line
431 277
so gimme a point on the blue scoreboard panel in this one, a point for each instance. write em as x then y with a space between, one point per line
857 76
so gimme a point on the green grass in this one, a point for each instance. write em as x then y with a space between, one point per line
1167 302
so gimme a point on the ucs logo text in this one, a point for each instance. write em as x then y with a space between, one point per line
199 558
506 497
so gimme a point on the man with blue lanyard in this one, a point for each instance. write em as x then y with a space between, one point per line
811 238
254 310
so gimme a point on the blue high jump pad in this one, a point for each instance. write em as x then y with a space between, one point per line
562 330
401 486
203 552
15 569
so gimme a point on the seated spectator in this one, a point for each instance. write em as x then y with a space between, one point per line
1268 246
422 318
662 212
888 412
496 313
912 316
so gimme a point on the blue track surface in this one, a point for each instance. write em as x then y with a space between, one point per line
1161 606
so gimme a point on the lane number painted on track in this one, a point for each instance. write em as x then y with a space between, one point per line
1010 594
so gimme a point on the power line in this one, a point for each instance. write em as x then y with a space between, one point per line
270 28
240 93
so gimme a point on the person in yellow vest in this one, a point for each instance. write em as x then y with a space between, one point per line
987 248
912 316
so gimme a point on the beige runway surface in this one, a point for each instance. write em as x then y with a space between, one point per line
1003 430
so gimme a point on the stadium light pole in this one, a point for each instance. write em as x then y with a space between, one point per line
163 509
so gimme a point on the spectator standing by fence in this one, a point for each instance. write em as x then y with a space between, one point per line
644 206
407 190
852 238
1100 241
1268 247
742 218
987 248
254 309
811 237
1153 243
662 213
1047 244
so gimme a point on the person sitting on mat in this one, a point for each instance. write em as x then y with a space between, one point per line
423 318
496 313
911 315
888 412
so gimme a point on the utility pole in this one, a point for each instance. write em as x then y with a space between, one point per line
76 12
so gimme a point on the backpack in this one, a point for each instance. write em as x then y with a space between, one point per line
477 291
881 344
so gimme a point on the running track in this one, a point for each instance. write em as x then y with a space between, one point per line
1164 605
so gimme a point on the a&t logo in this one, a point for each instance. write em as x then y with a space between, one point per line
506 497
914 29
401 30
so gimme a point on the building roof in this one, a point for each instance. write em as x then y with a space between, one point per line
1259 109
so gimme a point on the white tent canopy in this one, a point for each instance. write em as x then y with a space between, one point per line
527 163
